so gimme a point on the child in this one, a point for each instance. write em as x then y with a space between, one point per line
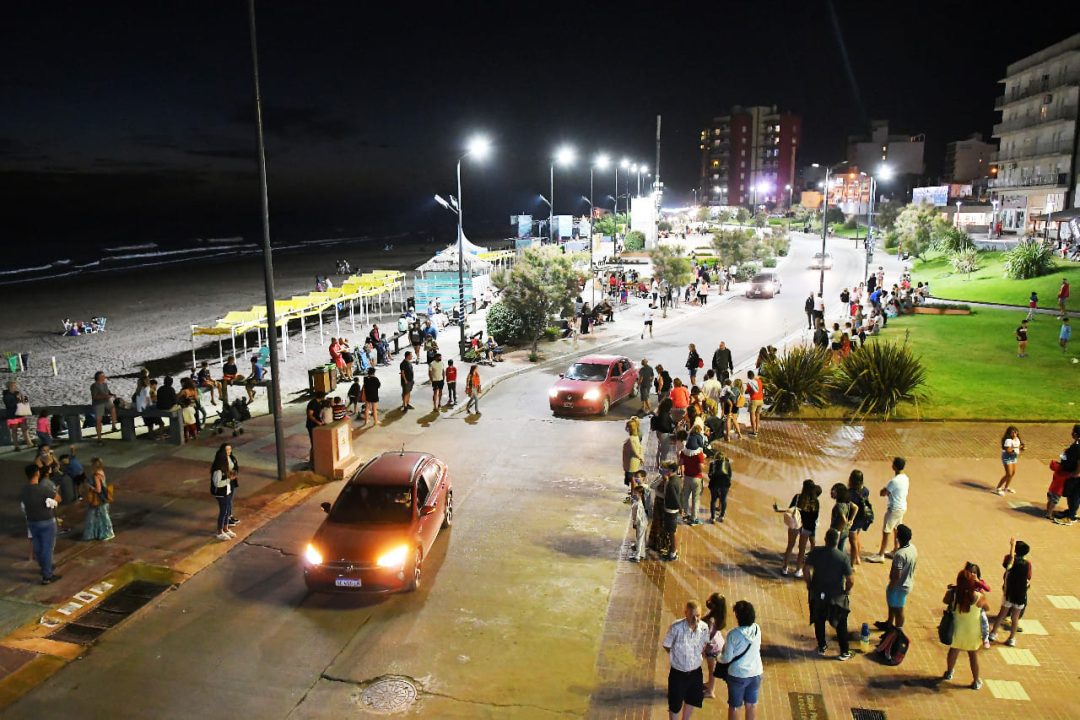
1033 305
451 384
1056 491
356 398
191 426
44 428
639 522
1022 339
983 587
71 467
339 409
1065 335
1017 582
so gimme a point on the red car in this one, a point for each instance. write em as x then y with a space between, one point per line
593 384
381 526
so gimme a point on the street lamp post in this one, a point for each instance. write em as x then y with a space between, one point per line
993 219
958 204
563 156
824 223
601 162
790 191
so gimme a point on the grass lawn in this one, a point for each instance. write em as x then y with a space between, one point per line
841 231
989 284
973 372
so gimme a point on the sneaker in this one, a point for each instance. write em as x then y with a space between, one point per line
844 656
798 573
784 571
874 559
882 624
999 491
696 521
52 578
977 685
632 559
947 675
230 533
673 556
992 637
821 650
223 536
1011 642
1009 490
233 521
627 500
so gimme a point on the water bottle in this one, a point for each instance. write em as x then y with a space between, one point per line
864 638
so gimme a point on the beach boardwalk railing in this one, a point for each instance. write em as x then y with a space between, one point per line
175 417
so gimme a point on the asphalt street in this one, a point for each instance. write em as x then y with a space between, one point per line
508 621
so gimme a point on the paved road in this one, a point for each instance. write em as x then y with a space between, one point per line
509 619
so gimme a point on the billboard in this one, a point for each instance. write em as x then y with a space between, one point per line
524 225
565 225
643 219
934 195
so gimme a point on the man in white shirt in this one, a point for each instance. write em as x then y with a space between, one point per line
648 321
685 643
897 491
711 387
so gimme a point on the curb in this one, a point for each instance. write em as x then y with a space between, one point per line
1006 306
53 655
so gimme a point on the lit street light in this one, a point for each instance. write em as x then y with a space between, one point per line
477 148
564 157
789 193
884 173
824 221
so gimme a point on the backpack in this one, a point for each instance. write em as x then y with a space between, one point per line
894 646
720 472
868 513
740 400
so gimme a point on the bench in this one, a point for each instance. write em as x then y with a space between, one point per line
72 415
176 424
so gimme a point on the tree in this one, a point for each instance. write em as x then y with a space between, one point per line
885 217
732 246
609 224
663 226
671 266
541 285
761 219
834 215
916 226
742 216
702 215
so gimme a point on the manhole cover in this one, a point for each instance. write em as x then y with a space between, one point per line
388 695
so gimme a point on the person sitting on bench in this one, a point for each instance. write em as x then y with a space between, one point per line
492 351
206 382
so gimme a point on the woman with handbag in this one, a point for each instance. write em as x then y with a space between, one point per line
99 495
223 483
18 412
740 662
716 619
693 362
965 603
801 518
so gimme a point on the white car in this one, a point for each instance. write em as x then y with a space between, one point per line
821 261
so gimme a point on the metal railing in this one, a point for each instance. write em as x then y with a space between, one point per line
1056 179
1061 112
1038 88
1063 147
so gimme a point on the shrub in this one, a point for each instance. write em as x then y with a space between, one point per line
779 243
769 262
505 325
892 240
747 271
951 240
635 241
801 376
880 375
663 226
552 333
965 261
1029 259
851 223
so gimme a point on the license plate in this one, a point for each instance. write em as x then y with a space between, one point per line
348 582
568 404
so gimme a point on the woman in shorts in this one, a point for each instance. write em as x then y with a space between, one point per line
742 649
1011 447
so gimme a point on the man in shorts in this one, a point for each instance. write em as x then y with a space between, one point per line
648 321
672 507
646 375
901 579
102 400
437 376
897 491
685 644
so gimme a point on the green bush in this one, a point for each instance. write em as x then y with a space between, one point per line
799 377
505 325
951 240
769 262
851 223
552 333
880 375
635 241
779 243
747 271
892 240
965 260
663 226
1029 259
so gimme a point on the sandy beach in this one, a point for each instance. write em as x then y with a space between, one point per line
150 312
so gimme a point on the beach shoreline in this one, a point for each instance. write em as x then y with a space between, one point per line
150 312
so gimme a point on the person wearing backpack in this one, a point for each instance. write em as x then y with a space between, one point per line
719 484
864 516
1017 581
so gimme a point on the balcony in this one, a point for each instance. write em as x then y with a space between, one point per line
1039 150
1037 88
999 102
1060 179
1061 112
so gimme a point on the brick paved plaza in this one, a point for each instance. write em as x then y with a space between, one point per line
954 518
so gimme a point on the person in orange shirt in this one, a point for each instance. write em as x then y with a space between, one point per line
680 400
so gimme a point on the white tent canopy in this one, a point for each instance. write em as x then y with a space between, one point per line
447 261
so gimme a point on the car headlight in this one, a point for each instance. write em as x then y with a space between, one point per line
593 394
313 556
553 392
393 559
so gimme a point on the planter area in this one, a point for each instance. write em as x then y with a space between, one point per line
931 310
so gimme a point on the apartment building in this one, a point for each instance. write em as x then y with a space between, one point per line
748 157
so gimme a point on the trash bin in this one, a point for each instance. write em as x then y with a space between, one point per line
319 380
13 362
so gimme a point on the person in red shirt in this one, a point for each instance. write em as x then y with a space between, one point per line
1063 295
451 384
680 400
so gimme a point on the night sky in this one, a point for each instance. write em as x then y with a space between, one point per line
132 122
